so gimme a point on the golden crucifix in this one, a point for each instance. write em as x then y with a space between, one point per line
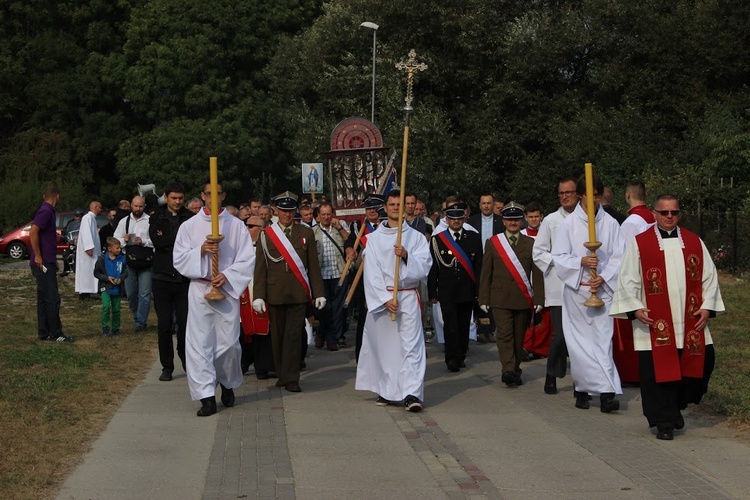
410 66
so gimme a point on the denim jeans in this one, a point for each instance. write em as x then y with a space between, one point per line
138 287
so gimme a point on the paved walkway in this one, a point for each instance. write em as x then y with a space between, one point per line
475 438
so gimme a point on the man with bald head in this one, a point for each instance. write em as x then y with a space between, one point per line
88 250
133 233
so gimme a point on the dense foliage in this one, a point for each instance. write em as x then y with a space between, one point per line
98 95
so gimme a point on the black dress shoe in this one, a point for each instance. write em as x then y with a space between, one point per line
293 387
517 378
550 385
227 397
664 432
509 379
166 375
279 383
262 375
208 407
608 403
582 400
680 423
453 365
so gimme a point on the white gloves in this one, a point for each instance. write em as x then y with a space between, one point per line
320 303
485 308
538 309
259 306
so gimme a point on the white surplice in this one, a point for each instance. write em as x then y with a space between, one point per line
212 348
588 330
88 239
630 293
632 227
392 362
542 254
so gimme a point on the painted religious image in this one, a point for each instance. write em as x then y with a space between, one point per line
312 177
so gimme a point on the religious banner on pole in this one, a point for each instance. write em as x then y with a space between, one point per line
312 177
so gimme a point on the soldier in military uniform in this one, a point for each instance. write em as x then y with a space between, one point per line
453 279
507 287
287 278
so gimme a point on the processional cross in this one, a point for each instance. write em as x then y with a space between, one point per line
410 66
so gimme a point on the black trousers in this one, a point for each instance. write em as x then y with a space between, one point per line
47 301
663 401
170 302
456 324
557 359
287 322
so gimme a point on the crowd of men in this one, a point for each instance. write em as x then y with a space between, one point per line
284 271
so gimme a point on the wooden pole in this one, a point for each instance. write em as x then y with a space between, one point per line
355 247
357 277
402 187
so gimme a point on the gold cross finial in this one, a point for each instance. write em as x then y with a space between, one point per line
410 66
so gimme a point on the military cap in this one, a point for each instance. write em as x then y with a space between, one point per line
374 201
512 211
382 215
456 210
285 201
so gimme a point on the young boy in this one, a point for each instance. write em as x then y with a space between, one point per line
111 270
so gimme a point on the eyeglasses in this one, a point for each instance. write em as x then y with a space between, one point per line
666 213
563 194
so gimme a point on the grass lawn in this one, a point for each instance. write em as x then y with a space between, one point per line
728 392
55 398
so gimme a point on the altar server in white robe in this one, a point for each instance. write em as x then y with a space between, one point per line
212 349
88 250
668 286
392 362
588 330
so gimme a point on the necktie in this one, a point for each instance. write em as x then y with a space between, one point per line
512 240
456 236
288 232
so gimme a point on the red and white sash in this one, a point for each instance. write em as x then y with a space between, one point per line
508 256
668 366
287 251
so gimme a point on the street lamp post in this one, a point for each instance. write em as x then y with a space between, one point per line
374 27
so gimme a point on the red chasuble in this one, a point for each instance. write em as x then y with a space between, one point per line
668 365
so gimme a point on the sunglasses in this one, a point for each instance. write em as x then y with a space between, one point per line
665 213
253 225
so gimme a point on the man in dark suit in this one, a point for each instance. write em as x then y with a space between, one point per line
287 277
456 266
507 287
488 224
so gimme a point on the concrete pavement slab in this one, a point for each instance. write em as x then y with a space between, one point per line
475 439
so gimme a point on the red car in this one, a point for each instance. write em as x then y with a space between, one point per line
16 243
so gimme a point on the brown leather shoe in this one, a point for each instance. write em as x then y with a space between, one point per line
319 342
333 346
293 387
